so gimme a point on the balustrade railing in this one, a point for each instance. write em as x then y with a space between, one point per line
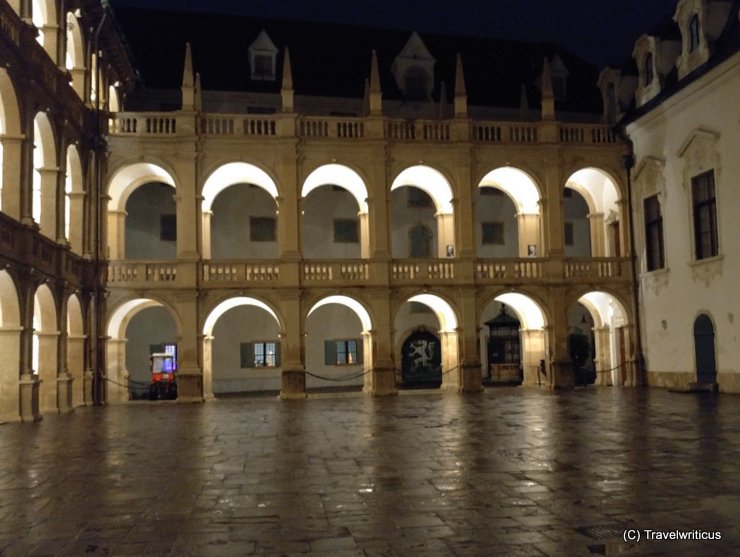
332 127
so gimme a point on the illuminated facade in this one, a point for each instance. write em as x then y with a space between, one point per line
684 131
285 241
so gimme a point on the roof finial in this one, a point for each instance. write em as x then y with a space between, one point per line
376 95
461 96
286 88
548 97
188 84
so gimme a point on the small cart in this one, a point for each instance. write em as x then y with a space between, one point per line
163 384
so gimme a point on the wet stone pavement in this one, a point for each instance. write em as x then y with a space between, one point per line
515 472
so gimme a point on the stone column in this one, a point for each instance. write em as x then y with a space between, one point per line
464 208
602 360
76 224
78 81
292 340
560 374
470 372
528 226
189 373
117 234
552 209
445 233
29 381
596 227
50 31
206 217
48 219
364 235
207 367
533 351
76 368
451 374
9 386
116 376
382 378
289 210
11 176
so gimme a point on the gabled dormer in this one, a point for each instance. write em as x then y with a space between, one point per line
559 73
690 17
413 70
617 90
648 81
655 58
701 22
263 58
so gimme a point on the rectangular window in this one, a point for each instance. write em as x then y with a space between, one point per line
492 233
262 229
263 67
706 243
654 251
346 231
260 354
568 233
342 352
168 228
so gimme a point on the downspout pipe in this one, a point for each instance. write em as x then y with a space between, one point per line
629 162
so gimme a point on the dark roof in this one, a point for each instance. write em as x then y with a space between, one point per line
726 45
329 59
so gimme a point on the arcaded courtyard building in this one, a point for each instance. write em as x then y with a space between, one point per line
335 207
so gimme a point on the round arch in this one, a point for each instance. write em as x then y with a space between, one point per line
431 181
10 331
518 185
235 173
129 177
350 303
226 305
612 337
74 55
597 187
45 339
75 364
337 175
10 122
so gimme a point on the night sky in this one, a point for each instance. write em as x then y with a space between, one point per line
601 31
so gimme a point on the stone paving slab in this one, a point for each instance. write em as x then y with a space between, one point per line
511 471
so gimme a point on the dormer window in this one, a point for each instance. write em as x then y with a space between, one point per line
694 33
263 58
413 69
648 69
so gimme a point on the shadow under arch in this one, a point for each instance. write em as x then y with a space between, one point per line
208 337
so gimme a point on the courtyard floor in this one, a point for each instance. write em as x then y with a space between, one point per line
510 471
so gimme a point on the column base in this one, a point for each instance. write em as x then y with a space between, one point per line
189 387
29 404
382 382
293 384
562 376
87 388
471 378
64 393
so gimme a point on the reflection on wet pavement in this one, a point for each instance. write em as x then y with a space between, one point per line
506 472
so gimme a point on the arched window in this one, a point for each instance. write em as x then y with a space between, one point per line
694 33
420 241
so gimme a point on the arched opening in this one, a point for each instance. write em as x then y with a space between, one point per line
74 201
151 223
704 350
155 220
581 344
248 197
76 350
426 340
513 342
45 343
74 57
338 343
10 148
241 347
44 182
10 331
592 210
334 214
136 330
507 211
421 195
611 342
